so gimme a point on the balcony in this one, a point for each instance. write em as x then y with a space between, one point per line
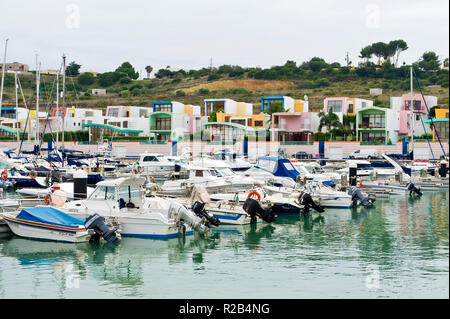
160 128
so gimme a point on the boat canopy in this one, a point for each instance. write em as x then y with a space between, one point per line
281 167
123 181
49 215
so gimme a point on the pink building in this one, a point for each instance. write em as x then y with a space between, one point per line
293 126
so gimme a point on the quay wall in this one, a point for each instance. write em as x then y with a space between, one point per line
123 149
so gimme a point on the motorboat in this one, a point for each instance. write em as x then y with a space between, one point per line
122 202
237 162
42 193
48 223
314 172
188 175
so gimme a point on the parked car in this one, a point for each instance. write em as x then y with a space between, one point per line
302 155
367 153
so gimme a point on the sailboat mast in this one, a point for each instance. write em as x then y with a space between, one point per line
17 110
58 127
37 139
412 110
3 74
64 106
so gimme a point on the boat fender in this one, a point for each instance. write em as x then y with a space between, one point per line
254 193
152 179
47 199
97 223
4 175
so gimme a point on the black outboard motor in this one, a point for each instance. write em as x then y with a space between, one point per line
413 189
199 210
97 223
358 196
306 200
254 208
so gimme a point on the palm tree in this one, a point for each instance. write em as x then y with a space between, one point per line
329 120
149 70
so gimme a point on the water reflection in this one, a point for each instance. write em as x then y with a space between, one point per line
406 238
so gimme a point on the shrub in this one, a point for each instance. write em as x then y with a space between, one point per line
180 93
213 77
322 82
125 80
86 78
203 91
124 93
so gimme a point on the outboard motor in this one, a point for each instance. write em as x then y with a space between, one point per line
253 208
181 213
306 200
358 196
199 209
97 223
413 189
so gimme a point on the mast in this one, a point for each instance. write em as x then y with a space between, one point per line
412 109
17 111
3 74
37 139
64 107
58 127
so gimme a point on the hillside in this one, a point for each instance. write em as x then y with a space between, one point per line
190 90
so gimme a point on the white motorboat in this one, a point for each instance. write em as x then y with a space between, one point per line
47 223
326 196
122 202
194 175
314 172
42 193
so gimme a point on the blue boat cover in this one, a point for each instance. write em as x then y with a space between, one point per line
281 167
49 215
329 183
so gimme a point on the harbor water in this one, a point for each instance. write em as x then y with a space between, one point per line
398 249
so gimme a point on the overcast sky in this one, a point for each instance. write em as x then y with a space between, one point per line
188 33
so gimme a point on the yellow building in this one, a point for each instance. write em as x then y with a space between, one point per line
441 124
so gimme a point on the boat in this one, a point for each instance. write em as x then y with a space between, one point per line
42 193
314 172
237 162
122 202
48 223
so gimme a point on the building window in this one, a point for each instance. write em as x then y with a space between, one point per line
163 124
350 109
336 106
373 137
113 112
373 121
259 123
165 108
442 130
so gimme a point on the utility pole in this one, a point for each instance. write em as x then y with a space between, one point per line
3 74
58 127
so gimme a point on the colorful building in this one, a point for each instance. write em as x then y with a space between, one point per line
171 120
296 124
345 105
377 125
441 125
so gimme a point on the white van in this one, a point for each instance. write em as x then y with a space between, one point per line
367 153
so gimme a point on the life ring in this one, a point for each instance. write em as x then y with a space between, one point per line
4 175
254 193
32 174
47 199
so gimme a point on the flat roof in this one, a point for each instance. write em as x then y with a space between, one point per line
239 126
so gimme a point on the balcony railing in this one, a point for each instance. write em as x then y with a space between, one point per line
160 127
297 143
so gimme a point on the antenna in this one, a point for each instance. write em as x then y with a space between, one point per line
210 64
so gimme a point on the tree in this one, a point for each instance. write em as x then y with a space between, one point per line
149 70
329 120
366 53
429 62
73 69
106 79
396 47
381 50
128 69
86 78
213 115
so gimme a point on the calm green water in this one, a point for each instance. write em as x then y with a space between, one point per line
400 249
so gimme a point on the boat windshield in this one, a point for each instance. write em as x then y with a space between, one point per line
103 193
224 171
128 192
